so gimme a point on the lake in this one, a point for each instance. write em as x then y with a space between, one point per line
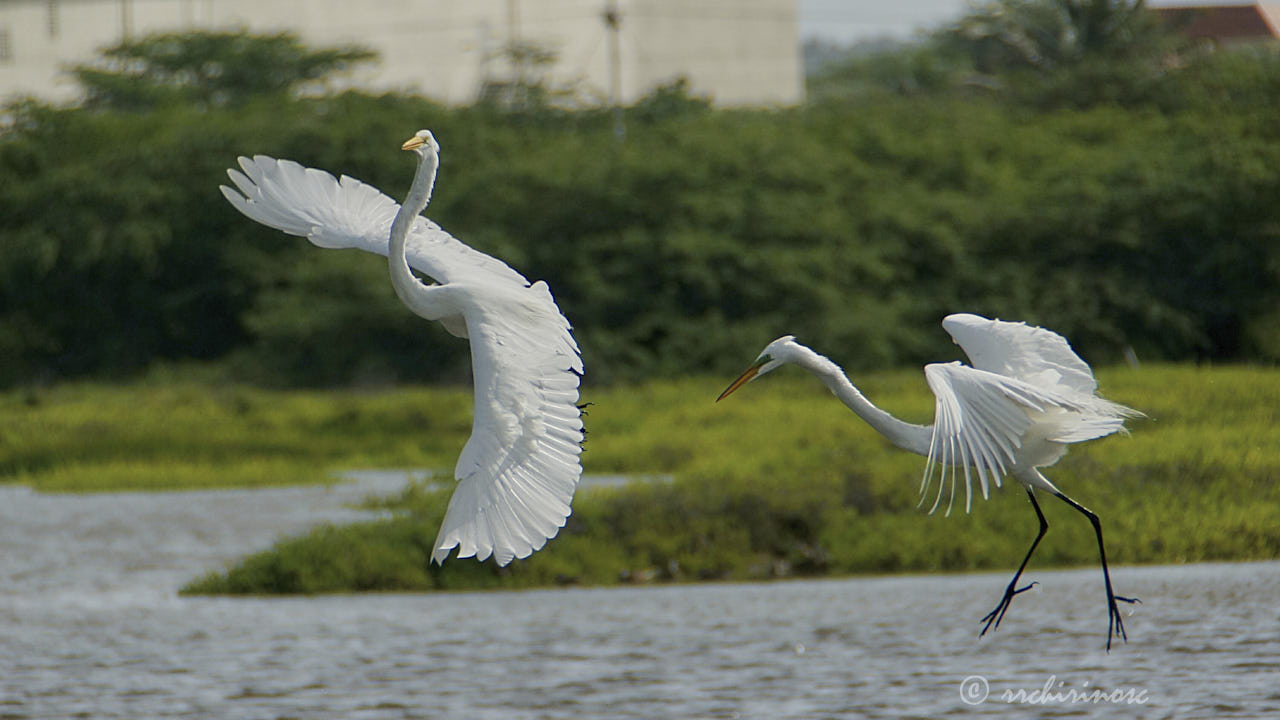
91 625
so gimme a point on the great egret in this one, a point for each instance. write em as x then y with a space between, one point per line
518 471
1026 397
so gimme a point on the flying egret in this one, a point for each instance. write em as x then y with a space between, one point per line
518 471
1025 398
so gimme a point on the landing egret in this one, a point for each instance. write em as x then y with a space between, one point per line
1026 397
518 471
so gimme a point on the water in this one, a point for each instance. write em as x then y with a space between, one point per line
90 625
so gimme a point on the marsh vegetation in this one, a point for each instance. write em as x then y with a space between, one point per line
782 481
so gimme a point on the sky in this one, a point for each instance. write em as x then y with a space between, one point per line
845 21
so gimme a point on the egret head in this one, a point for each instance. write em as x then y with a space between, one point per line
774 356
422 143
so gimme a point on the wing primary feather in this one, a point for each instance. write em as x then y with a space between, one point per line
947 455
929 466
509 499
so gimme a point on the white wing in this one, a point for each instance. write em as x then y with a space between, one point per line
346 213
1043 359
979 421
1034 355
1026 386
518 471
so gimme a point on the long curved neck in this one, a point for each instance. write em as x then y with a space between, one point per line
409 288
908 436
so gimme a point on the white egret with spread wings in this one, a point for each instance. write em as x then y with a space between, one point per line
1026 397
518 471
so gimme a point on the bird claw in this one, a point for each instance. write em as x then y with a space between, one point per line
1115 622
993 618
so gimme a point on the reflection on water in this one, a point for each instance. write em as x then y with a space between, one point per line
90 624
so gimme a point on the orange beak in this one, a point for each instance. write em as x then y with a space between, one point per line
412 143
742 380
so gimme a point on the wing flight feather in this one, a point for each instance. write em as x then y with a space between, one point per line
518 471
981 420
1037 356
520 468
347 213
1023 380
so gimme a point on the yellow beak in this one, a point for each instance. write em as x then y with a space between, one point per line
742 380
412 143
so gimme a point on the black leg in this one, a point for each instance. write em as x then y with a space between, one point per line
993 618
1115 624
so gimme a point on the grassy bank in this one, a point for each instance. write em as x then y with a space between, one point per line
779 480
182 436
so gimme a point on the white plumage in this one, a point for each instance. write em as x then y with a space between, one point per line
519 469
1025 398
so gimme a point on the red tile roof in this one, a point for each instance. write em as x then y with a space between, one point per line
1219 22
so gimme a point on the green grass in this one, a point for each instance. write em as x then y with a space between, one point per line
181 436
778 480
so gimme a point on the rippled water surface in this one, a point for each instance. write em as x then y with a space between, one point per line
91 625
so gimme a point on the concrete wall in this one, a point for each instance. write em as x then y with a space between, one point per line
738 52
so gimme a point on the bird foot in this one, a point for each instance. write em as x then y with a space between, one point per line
1115 623
993 618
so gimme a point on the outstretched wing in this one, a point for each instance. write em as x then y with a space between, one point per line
518 471
346 213
1026 385
980 422
1034 355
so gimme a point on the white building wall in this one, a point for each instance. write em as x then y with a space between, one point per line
738 52
735 50
43 37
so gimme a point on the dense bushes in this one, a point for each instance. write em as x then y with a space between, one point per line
782 481
778 480
855 223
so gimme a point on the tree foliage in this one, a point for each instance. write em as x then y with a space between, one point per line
1049 35
1039 54
854 222
210 69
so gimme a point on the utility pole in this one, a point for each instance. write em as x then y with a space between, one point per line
126 20
513 22
518 93
55 24
613 21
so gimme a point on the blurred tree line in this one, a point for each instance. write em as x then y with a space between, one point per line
1080 170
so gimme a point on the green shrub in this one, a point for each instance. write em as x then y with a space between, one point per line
782 481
